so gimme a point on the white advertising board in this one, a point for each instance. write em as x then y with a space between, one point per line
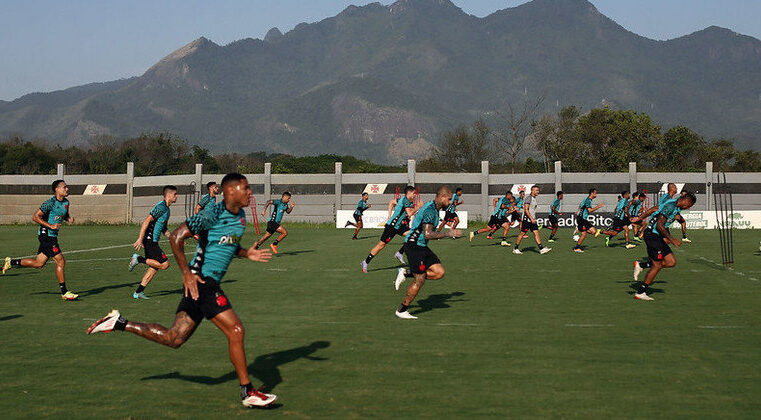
377 218
747 219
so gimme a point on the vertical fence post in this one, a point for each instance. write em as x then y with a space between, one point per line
267 181
130 193
339 181
632 177
558 176
709 185
199 177
411 172
484 189
60 170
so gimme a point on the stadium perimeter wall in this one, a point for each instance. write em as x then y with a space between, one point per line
124 197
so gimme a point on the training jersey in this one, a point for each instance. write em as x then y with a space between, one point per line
205 200
532 204
668 209
53 211
428 214
519 203
621 208
278 210
219 234
555 207
399 215
361 207
663 199
499 212
160 213
453 205
584 207
634 209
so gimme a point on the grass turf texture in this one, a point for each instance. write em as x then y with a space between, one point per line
501 335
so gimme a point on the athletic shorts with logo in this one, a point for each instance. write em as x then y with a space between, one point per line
449 216
272 227
420 258
528 225
495 222
153 251
618 224
553 221
388 233
657 249
48 246
515 216
357 217
211 302
583 224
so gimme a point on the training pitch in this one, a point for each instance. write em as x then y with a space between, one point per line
502 335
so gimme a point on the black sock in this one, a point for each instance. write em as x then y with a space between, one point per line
141 259
504 238
401 250
475 232
120 324
646 264
140 288
408 273
642 288
540 246
402 308
369 258
552 236
684 236
16 262
245 389
516 245
274 242
63 288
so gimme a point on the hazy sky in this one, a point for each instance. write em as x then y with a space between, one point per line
53 44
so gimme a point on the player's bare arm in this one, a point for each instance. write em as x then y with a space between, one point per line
431 234
661 226
177 241
267 204
595 208
290 207
139 242
37 218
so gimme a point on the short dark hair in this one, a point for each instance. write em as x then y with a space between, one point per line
559 193
56 183
408 188
591 190
458 190
168 188
691 196
624 192
210 184
232 177
508 193
364 194
286 193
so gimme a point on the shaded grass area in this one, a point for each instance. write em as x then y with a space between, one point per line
501 335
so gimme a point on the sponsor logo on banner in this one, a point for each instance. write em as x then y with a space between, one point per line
597 219
517 188
375 188
377 218
95 189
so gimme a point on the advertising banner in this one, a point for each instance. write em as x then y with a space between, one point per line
375 219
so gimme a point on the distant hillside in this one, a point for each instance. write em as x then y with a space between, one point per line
381 82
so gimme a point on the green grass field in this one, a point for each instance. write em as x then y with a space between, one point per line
502 335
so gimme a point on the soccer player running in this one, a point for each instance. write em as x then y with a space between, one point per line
49 216
279 208
635 209
529 222
424 264
220 227
620 220
154 225
498 219
210 197
361 207
554 213
450 214
395 225
582 224
657 239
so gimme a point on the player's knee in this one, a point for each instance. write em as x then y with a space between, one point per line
164 265
237 333
436 272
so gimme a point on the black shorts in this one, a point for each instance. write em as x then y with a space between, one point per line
618 224
583 224
495 222
272 227
357 217
388 234
449 216
515 216
48 246
657 249
153 251
528 225
211 302
420 257
553 221
403 229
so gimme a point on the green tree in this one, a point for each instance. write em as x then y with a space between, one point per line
682 146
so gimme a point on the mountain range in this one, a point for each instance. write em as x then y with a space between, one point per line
382 82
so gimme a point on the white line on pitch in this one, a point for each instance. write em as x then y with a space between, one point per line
76 251
721 327
590 325
444 324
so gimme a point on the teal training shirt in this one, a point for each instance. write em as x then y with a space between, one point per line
669 210
361 207
427 215
160 213
634 209
621 208
219 234
555 207
278 210
399 215
663 199
205 200
53 211
584 207
499 211
453 205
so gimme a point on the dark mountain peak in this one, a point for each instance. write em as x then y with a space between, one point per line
427 6
273 35
200 44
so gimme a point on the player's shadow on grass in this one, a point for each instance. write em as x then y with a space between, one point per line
706 263
393 267
439 301
10 317
304 251
265 368
99 290
650 290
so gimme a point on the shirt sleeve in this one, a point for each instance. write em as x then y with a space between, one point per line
158 211
200 222
204 200
47 205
